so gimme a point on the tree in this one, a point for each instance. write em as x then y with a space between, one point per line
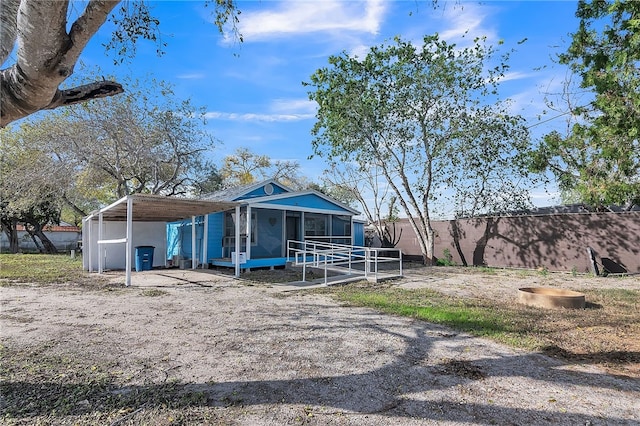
210 181
149 142
244 167
48 48
598 159
424 116
29 188
363 185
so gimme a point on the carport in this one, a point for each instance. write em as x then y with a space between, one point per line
143 208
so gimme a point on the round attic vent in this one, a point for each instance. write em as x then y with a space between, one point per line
268 189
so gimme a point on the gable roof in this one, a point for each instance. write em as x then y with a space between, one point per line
280 196
243 192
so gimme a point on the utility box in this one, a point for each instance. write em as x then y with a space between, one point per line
144 258
241 258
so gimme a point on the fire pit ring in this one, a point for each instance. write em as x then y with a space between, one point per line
551 298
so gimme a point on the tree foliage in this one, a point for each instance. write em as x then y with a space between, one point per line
29 190
428 117
598 160
145 141
244 167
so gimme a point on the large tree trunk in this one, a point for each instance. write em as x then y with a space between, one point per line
46 55
35 229
35 240
10 228
429 258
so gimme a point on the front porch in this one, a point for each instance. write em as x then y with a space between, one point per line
246 264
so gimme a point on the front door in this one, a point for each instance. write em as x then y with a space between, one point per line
293 228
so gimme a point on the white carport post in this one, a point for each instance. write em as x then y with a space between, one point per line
128 242
86 241
248 232
194 259
237 238
205 237
100 245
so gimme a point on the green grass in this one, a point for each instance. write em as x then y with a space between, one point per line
454 314
477 317
40 269
615 297
510 323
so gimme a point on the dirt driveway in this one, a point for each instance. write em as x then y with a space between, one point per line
243 353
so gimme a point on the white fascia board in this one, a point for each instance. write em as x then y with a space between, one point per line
296 209
95 213
266 199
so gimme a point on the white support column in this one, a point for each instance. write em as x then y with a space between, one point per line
194 258
100 246
86 248
248 249
285 242
302 227
353 237
205 238
129 241
237 243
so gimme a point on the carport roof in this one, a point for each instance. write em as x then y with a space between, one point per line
157 208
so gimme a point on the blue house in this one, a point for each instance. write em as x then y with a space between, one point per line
266 217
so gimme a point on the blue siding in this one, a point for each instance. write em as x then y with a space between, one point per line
311 201
358 234
216 233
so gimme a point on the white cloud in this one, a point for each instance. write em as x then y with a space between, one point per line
269 118
361 51
280 110
191 76
466 22
516 75
304 17
299 106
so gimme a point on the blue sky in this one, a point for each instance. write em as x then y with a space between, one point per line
253 93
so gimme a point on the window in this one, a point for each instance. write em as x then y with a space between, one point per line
315 225
230 227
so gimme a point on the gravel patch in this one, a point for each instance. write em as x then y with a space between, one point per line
257 356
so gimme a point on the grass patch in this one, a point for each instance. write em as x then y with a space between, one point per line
40 387
42 269
620 297
608 333
476 317
154 292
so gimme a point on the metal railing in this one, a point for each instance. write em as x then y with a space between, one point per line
345 259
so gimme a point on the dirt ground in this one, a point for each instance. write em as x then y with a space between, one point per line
244 352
